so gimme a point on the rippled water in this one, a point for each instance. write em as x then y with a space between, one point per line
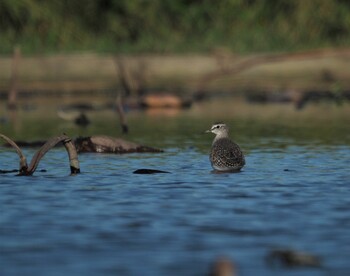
293 193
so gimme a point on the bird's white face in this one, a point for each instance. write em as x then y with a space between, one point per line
218 128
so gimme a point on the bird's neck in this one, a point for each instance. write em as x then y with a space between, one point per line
220 136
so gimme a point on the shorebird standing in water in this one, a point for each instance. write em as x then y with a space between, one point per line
225 155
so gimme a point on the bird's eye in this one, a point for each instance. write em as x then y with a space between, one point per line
217 126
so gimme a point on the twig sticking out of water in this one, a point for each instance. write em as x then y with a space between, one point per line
24 169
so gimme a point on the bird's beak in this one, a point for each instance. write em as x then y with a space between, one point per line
207 131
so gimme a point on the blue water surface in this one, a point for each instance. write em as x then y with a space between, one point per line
109 221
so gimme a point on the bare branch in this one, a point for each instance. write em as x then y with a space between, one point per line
49 145
22 159
73 156
67 142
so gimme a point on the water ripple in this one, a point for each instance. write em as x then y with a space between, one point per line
109 221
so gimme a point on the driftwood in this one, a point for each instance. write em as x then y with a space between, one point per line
98 143
107 144
24 169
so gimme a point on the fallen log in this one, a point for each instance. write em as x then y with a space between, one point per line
98 144
108 144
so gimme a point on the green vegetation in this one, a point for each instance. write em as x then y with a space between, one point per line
135 26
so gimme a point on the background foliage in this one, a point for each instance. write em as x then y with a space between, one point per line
172 25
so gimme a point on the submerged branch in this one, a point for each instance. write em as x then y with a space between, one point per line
29 170
73 158
22 159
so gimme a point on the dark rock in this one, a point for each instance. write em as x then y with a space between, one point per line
148 171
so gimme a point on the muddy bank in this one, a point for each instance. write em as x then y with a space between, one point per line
324 71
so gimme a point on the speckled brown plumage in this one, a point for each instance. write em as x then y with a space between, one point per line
225 154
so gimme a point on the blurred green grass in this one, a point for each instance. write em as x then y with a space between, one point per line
166 26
